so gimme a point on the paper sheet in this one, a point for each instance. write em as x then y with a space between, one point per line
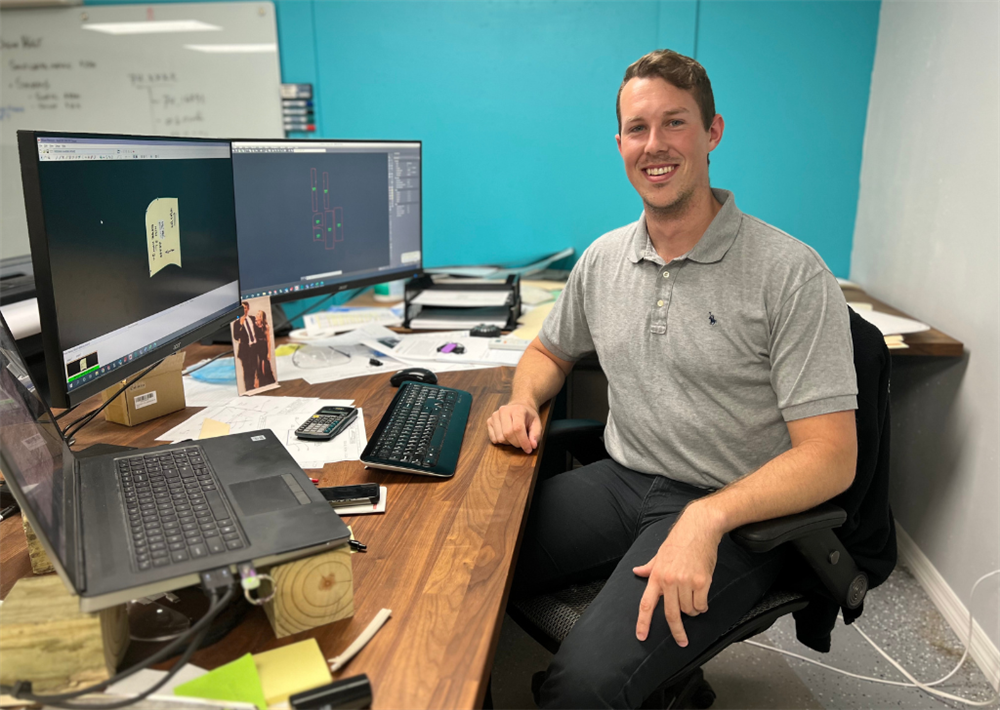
893 325
163 234
462 299
142 680
291 669
234 681
207 394
250 413
211 429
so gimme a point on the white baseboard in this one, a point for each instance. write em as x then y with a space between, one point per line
982 649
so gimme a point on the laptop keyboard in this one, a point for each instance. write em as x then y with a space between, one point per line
175 511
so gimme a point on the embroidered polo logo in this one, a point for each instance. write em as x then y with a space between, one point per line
711 319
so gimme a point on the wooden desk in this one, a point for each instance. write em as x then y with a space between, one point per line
930 342
440 557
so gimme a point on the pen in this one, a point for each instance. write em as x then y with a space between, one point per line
9 511
358 546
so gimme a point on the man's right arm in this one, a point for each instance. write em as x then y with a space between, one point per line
539 377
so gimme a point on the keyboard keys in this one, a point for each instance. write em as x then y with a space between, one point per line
175 513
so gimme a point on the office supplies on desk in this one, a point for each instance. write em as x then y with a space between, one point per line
367 508
501 272
360 494
279 517
361 641
282 416
237 681
421 432
342 319
326 424
413 374
291 669
431 305
353 692
211 429
892 325
9 511
155 395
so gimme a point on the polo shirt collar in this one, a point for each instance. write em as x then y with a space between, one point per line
712 246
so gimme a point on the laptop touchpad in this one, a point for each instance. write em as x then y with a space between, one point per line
266 495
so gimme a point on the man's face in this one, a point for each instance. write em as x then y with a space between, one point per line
246 309
664 144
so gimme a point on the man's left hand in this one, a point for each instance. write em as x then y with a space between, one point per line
681 572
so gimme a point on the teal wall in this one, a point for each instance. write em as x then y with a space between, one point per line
514 101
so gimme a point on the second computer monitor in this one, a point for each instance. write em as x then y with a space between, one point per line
318 216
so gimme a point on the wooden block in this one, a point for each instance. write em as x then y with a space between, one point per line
40 563
311 592
45 638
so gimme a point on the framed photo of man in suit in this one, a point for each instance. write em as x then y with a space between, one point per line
253 346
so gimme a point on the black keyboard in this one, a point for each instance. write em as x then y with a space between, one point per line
175 510
422 432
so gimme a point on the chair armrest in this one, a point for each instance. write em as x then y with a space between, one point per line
768 534
812 534
564 431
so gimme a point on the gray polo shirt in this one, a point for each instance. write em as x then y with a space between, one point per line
709 355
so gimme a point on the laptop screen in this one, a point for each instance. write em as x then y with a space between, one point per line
31 447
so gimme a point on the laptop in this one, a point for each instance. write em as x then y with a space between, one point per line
121 526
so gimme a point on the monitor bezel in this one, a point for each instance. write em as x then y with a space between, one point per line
59 394
351 283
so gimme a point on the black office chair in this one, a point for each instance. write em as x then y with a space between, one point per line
549 618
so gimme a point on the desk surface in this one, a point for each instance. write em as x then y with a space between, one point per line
929 342
440 557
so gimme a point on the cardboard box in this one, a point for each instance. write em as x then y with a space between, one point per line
158 393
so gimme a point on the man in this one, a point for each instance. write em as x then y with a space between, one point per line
731 386
247 338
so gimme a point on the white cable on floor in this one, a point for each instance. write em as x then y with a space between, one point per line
914 683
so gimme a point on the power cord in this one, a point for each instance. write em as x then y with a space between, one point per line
914 683
86 419
212 583
316 306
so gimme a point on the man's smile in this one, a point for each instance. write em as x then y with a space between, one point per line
659 173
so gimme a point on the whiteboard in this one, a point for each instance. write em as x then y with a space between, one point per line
58 73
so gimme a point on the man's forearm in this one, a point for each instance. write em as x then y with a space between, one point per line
810 473
538 377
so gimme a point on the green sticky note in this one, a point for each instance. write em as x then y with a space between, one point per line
237 681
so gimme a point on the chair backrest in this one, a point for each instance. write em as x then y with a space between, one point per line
869 533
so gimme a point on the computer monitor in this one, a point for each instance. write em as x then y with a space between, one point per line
133 244
320 216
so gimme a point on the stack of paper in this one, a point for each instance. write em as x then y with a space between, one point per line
282 415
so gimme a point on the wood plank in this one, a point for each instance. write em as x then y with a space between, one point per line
441 557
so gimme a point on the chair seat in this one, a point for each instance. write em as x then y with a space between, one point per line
554 615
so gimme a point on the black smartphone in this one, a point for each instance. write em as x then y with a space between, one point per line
326 423
343 496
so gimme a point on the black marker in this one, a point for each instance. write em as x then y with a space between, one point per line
9 511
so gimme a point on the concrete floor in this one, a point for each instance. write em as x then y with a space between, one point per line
898 616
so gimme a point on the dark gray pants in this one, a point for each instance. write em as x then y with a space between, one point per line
601 521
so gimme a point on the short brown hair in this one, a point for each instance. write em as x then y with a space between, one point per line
683 72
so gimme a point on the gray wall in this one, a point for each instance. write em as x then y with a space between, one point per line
927 240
